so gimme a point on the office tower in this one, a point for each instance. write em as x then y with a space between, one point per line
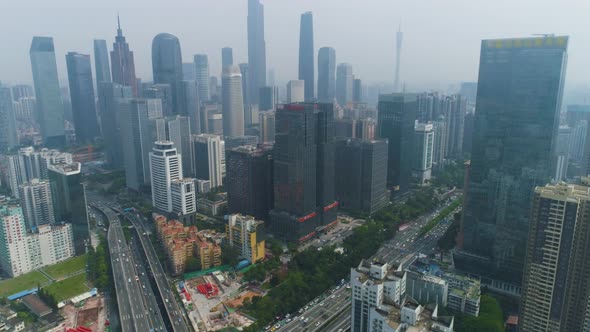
468 132
109 96
574 116
24 109
232 102
579 133
179 132
207 158
245 94
271 77
454 108
8 136
295 91
363 165
365 128
256 49
22 91
562 144
357 90
227 57
344 128
69 201
167 66
249 180
163 92
469 91
518 100
343 84
135 139
101 62
268 98
266 122
22 252
234 142
50 112
423 148
202 77
37 203
326 74
306 51
215 89
440 141
165 166
82 97
189 71
395 122
215 124
183 196
189 99
247 235
556 289
303 171
429 107
122 63
398 54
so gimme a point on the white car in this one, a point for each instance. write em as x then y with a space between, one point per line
318 324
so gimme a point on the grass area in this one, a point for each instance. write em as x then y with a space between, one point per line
66 267
442 215
68 288
21 283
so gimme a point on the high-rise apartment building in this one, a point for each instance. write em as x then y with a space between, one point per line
249 180
202 77
556 288
167 66
207 154
344 80
22 91
395 122
8 129
519 96
122 62
256 49
247 235
183 196
37 203
296 91
232 102
50 111
306 52
82 97
423 147
101 62
165 166
109 96
303 171
326 75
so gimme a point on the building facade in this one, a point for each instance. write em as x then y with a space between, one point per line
101 62
123 63
295 91
256 49
165 166
82 97
246 234
202 70
37 203
207 154
167 66
344 81
306 52
326 75
424 149
232 102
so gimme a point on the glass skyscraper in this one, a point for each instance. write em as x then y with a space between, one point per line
517 113
167 66
326 74
101 61
306 65
82 96
256 49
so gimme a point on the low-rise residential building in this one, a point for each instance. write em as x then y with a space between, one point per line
212 206
247 235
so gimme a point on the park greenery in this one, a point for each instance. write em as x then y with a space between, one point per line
490 318
99 268
451 176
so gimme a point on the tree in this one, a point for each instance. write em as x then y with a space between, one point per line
192 264
230 255
490 318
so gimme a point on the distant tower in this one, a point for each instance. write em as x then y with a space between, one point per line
122 62
306 64
256 49
232 101
227 57
82 97
202 77
400 38
167 66
166 166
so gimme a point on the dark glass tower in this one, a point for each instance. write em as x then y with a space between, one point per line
227 57
101 61
249 180
303 171
8 137
306 65
50 110
326 75
82 97
122 63
395 122
109 95
202 77
245 71
256 49
167 66
517 113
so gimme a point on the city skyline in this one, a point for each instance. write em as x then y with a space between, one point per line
453 64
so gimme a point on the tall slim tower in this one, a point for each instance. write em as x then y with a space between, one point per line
256 49
344 80
227 57
232 102
37 204
398 54
82 97
245 71
166 166
101 62
50 110
202 77
306 63
326 74
167 66
8 136
122 63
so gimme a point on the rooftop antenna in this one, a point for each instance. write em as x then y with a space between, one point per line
400 37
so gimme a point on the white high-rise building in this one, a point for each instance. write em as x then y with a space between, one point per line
165 166
424 151
208 157
232 101
36 202
296 91
184 198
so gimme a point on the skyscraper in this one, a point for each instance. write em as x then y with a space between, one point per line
266 122
326 75
303 171
344 84
207 155
295 91
422 164
135 139
179 131
202 71
167 66
50 112
37 204
22 91
69 201
165 166
306 51
268 98
232 102
395 121
189 98
109 96
357 90
101 61
398 54
249 180
183 196
122 63
518 101
163 93
227 57
82 97
189 71
256 49
244 70
556 288
8 136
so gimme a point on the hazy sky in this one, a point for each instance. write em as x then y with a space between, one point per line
441 37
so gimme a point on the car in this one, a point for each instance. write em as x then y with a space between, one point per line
322 304
318 324
306 320
333 296
288 320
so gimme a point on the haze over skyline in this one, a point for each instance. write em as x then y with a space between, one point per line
441 39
